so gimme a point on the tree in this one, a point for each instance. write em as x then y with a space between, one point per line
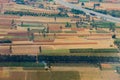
82 4
19 1
40 49
112 27
68 25
22 23
93 24
74 11
88 18
12 23
28 31
54 34
78 24
32 37
96 26
96 5
55 18
61 27
114 36
100 0
39 32
44 35
11 49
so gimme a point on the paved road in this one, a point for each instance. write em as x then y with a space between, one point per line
107 17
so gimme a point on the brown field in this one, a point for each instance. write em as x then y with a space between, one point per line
43 19
84 72
39 75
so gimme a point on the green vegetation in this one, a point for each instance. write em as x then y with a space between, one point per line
68 25
19 1
82 52
70 31
118 69
28 13
104 24
90 50
21 64
30 25
59 51
114 13
59 31
33 68
83 0
5 41
102 31
74 11
20 37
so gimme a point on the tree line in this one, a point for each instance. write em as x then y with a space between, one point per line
27 13
57 59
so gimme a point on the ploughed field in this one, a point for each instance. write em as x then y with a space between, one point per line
39 75
71 72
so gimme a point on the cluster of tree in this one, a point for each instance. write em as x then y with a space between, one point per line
13 24
118 69
93 50
27 13
77 59
5 41
74 11
20 1
114 13
57 59
30 34
21 64
17 58
101 24
95 5
68 25
100 11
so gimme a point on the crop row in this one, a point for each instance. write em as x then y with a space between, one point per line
90 50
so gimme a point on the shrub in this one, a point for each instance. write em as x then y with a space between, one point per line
5 41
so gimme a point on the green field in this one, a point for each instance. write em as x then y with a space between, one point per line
21 64
84 52
58 51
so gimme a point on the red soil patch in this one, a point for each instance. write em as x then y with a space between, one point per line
9 16
4 51
54 27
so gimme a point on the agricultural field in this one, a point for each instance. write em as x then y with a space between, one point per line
39 75
83 72
45 40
